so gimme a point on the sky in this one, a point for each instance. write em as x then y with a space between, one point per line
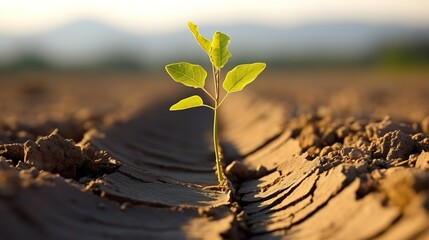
159 16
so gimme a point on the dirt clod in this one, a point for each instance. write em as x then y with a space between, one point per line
352 153
22 165
378 130
14 151
325 151
394 145
423 160
309 138
237 170
54 154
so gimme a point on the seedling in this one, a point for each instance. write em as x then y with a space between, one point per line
194 75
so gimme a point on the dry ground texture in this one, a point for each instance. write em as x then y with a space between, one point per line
319 155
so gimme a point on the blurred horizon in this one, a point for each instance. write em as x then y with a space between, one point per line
136 36
28 17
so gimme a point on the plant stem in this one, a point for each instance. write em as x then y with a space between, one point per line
223 99
215 83
219 169
208 106
214 99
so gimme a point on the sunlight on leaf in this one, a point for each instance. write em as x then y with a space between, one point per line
241 75
190 75
204 42
219 53
193 75
189 102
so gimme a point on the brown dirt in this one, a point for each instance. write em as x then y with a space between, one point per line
327 155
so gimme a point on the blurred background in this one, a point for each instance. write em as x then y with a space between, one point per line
74 64
143 36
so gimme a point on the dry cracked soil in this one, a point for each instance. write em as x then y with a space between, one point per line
319 155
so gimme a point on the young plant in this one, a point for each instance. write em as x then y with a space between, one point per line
193 75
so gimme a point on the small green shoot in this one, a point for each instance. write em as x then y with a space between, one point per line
193 75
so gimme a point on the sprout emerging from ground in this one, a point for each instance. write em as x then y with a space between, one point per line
193 75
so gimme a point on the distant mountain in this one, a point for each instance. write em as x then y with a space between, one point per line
87 41
79 42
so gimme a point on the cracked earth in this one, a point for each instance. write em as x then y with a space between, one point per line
308 156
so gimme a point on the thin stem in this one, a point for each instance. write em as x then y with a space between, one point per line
208 106
211 96
216 146
219 169
223 99
215 83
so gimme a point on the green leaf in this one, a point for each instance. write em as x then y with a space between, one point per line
189 102
191 75
204 42
241 75
219 53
